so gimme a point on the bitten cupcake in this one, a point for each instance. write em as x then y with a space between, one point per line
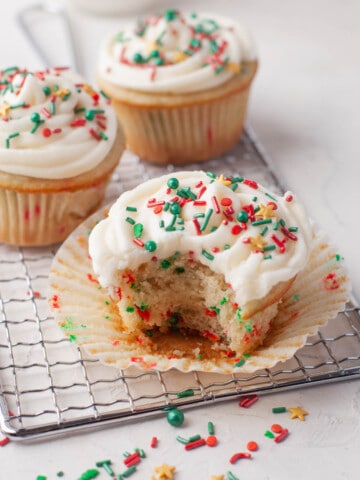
180 84
200 253
59 144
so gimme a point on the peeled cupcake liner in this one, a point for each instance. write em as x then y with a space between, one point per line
82 309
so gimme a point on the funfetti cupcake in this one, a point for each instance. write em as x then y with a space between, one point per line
180 84
59 144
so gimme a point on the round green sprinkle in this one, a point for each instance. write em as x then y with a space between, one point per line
35 117
60 474
165 264
175 208
138 58
138 230
150 246
170 15
175 417
47 90
158 61
154 53
242 216
173 182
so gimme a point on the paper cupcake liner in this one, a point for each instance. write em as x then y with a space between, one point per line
184 134
86 314
31 219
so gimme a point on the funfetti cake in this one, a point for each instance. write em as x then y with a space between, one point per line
201 254
179 83
59 144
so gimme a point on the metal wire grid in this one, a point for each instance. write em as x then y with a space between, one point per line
47 386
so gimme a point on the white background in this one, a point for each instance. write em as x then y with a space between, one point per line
305 110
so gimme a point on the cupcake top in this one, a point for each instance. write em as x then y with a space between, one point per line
233 225
176 53
52 124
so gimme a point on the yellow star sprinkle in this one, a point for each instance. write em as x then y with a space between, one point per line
165 471
223 180
179 57
233 67
265 211
217 477
257 243
150 46
88 89
62 92
4 109
298 412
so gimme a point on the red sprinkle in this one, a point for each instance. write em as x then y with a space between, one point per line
226 202
211 441
153 442
248 401
129 461
138 242
282 436
197 226
252 446
238 456
4 441
250 183
195 444
236 229
215 204
46 132
276 428
289 198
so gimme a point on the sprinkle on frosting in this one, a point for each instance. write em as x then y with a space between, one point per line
62 127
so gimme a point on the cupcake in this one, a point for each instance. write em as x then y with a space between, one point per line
60 142
179 84
202 255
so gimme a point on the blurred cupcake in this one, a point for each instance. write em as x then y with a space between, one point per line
179 84
59 143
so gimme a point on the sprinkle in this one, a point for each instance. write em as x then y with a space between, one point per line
186 393
231 476
4 441
138 242
106 465
154 442
238 456
138 230
248 401
236 229
128 472
240 363
279 410
197 226
282 436
194 438
276 428
298 412
211 441
175 417
211 430
206 219
130 220
207 255
130 460
251 183
252 446
165 471
269 434
182 440
215 204
150 246
131 209
195 444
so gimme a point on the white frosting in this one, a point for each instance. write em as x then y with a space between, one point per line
52 147
209 62
227 243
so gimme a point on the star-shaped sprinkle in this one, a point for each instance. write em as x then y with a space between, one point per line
165 471
4 109
179 57
257 243
217 477
223 180
265 211
62 92
298 412
88 89
150 46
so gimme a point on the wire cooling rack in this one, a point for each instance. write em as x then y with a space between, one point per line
48 386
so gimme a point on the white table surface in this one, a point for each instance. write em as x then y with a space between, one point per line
305 110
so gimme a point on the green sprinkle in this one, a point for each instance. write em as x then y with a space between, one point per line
150 246
35 117
60 474
175 208
267 257
47 90
104 95
234 187
161 224
170 15
267 248
211 429
138 58
179 270
212 175
182 440
107 317
41 477
131 209
13 135
262 222
269 434
103 136
337 257
130 309
107 302
223 300
213 229
186 393
296 297
199 215
165 264
129 471
206 219
207 255
270 196
166 206
149 333
52 108
279 410
130 220
293 229
231 476
240 363
138 230
227 246
282 222
248 327
173 183
264 230
242 216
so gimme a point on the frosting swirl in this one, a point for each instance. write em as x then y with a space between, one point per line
52 124
233 225
176 53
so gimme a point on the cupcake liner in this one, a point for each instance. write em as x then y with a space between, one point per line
87 316
31 219
184 134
